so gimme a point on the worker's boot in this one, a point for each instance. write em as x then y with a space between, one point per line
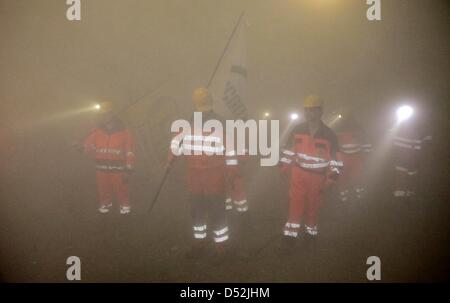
197 250
125 210
104 209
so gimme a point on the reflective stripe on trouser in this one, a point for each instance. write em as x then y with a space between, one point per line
291 229
221 235
209 207
110 184
237 195
305 198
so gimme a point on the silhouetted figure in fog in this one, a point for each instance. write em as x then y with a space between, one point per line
354 147
409 141
111 145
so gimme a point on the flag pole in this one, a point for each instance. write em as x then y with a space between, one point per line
225 49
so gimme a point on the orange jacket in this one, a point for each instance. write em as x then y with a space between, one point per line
318 154
208 162
113 149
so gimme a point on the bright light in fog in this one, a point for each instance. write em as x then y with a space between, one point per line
294 116
97 106
266 114
340 116
404 112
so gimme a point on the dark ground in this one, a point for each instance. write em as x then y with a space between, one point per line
49 213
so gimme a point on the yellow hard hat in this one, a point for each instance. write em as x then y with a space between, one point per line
312 101
105 106
202 99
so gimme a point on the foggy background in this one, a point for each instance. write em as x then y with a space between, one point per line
157 52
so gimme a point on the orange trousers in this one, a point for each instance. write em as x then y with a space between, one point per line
112 184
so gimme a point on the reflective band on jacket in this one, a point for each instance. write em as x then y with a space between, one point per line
407 145
306 157
203 138
232 162
406 140
288 152
350 151
313 165
109 167
108 151
409 172
203 148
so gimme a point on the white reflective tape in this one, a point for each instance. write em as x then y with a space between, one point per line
200 236
407 140
399 193
334 169
200 228
336 163
242 209
311 158
313 165
242 202
203 148
405 170
221 231
311 230
360 190
285 160
228 200
203 138
228 207
288 152
292 225
291 233
232 162
350 151
409 146
221 239
130 154
230 153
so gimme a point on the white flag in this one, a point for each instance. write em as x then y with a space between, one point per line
228 86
